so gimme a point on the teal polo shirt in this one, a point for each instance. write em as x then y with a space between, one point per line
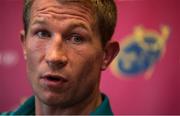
28 108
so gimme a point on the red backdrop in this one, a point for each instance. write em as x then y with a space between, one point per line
155 90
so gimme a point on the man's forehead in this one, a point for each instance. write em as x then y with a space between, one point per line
48 13
82 5
87 3
59 9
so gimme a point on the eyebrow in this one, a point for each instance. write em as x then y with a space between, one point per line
71 26
77 25
38 21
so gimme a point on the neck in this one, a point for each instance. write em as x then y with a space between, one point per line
84 107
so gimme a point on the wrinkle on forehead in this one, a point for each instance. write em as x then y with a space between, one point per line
62 8
86 3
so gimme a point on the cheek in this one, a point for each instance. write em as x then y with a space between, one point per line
35 53
86 73
86 62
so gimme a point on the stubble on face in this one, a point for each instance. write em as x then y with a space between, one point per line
84 61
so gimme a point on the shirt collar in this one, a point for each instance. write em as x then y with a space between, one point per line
104 108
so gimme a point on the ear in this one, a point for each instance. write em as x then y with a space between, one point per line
23 42
110 51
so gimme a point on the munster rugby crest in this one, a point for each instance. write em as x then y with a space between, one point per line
140 51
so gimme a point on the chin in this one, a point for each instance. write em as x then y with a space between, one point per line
52 99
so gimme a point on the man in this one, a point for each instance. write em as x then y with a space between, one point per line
66 45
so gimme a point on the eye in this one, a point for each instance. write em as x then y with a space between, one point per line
43 34
76 39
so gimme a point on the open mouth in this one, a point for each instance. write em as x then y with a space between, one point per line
53 81
54 78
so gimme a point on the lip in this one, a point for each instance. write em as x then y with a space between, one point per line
53 80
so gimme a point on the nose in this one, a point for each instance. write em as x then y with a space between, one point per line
56 54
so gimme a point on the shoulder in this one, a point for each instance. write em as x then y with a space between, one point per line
27 108
5 113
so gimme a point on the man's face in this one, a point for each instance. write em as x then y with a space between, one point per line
64 55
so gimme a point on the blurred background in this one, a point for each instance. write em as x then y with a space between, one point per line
143 79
